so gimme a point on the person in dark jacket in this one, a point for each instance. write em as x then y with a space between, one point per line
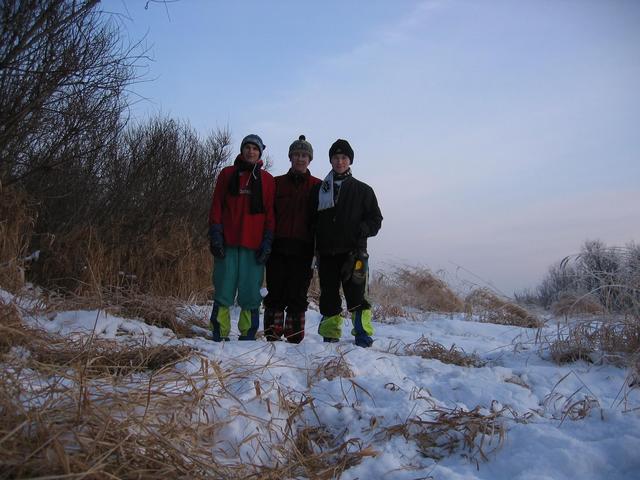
289 267
345 214
241 225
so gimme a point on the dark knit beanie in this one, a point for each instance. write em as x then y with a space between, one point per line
301 145
254 140
341 146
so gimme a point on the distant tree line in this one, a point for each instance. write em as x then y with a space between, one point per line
65 142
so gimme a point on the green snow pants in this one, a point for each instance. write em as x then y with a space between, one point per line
237 275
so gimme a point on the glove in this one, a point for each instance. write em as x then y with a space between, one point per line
216 241
264 250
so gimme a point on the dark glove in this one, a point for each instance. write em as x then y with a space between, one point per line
264 250
216 241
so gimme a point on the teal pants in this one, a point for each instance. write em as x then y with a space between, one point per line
238 274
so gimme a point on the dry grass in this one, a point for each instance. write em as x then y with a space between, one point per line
17 218
488 307
332 367
618 339
447 431
412 287
164 262
429 349
95 409
12 331
572 304
99 409
164 312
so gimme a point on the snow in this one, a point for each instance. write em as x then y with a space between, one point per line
387 388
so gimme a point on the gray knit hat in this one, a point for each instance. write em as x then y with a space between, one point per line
254 140
301 145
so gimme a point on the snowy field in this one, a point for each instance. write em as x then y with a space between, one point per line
580 420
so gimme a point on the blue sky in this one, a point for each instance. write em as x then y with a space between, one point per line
498 135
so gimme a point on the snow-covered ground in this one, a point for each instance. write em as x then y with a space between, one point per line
543 440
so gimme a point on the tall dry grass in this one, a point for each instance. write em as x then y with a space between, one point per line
414 287
486 306
17 220
612 339
168 261
573 304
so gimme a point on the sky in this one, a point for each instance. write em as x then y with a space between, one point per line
497 135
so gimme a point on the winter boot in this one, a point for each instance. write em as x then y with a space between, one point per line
248 324
273 324
294 327
330 328
362 328
220 322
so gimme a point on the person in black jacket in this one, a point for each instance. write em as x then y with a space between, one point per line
345 213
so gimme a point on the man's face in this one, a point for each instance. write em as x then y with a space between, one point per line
251 152
340 163
300 161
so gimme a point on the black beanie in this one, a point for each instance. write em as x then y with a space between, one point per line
341 146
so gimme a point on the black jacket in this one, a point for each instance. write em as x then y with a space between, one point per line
346 226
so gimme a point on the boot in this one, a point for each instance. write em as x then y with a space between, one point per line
294 327
220 322
273 320
248 324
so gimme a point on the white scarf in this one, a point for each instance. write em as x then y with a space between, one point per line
325 196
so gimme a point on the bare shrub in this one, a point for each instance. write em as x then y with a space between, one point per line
572 304
488 307
609 274
413 287
430 349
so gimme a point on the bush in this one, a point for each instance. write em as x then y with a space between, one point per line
608 275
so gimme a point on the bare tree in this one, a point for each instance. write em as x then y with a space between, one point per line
63 74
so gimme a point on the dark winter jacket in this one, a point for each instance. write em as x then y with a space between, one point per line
346 226
293 233
241 228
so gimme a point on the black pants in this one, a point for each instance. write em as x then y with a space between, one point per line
331 271
288 279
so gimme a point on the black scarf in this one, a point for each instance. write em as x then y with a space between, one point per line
255 183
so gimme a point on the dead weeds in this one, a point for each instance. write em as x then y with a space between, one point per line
486 306
430 349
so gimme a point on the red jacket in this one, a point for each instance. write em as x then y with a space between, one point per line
293 232
240 227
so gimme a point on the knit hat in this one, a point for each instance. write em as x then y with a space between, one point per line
341 146
254 140
301 145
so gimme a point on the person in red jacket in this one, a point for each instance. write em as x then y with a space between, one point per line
241 225
289 267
